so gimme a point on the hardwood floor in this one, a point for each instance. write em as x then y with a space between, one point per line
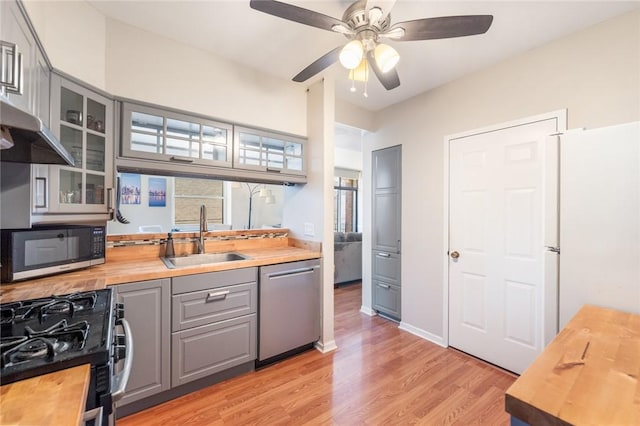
379 375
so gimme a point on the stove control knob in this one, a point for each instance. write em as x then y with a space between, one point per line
120 340
119 311
120 352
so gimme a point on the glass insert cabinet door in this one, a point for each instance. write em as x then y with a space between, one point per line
267 151
83 121
159 134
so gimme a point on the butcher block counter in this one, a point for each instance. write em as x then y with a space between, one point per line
588 375
51 399
61 395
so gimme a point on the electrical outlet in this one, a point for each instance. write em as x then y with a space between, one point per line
309 229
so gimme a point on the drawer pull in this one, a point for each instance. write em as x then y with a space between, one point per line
384 286
384 255
211 297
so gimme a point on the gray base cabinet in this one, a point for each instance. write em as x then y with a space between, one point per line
386 299
201 351
147 309
214 323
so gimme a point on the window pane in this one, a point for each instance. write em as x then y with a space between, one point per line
146 122
183 129
213 134
214 152
95 189
72 140
146 143
183 148
95 153
71 107
293 148
294 163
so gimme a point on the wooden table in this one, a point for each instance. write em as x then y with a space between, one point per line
57 398
588 375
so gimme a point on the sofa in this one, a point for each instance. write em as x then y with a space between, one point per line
347 252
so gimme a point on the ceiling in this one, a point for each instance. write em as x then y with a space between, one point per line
231 29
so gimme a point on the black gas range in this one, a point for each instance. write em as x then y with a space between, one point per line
40 336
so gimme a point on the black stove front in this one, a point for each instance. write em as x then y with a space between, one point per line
40 336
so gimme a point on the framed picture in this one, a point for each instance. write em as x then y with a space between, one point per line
129 188
157 192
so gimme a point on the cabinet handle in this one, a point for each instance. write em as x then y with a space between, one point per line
41 192
384 255
110 200
182 159
272 170
385 286
211 297
292 272
14 84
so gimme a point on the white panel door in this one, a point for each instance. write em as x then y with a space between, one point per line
496 226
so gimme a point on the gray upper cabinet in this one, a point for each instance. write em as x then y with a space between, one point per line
268 152
147 307
386 209
24 70
154 133
82 119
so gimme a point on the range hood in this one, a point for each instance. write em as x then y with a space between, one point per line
32 141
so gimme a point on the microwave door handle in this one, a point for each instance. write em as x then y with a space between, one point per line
120 381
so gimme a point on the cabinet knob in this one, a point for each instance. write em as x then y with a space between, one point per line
455 255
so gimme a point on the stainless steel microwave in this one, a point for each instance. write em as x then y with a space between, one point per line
46 250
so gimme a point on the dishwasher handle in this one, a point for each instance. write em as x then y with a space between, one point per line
291 272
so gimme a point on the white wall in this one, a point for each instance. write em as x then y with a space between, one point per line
147 67
73 34
594 73
310 207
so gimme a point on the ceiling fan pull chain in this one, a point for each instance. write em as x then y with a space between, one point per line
366 77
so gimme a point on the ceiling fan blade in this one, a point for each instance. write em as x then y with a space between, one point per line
443 27
318 65
389 79
296 14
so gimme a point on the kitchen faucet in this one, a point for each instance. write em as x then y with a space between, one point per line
203 228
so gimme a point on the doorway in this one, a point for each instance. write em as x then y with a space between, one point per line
495 268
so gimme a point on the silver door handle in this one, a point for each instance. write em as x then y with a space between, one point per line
292 272
217 296
384 286
110 200
384 255
120 381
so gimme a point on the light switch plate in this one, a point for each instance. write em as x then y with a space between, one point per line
309 229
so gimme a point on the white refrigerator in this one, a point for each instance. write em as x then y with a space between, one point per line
598 232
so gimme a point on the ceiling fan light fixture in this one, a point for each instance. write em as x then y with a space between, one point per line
342 29
361 72
393 34
351 54
386 57
375 13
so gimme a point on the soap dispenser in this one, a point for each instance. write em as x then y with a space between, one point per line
168 250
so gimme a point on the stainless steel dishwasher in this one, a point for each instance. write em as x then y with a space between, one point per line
289 309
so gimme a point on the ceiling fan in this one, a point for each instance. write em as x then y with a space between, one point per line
366 24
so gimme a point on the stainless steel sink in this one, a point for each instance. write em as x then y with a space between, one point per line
202 259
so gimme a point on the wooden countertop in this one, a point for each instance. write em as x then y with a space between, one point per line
112 273
588 375
51 399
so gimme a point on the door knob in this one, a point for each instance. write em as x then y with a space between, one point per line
455 255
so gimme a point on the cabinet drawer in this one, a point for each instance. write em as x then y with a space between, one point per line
202 351
208 306
211 280
386 298
386 267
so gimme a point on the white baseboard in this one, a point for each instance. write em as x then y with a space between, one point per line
422 333
367 311
325 347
